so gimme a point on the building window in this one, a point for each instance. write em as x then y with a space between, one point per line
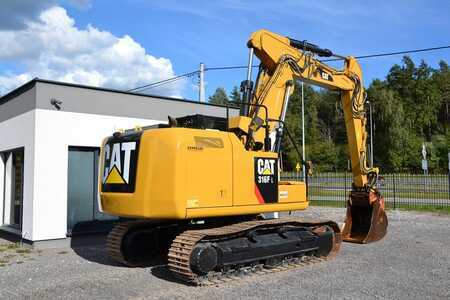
82 196
11 188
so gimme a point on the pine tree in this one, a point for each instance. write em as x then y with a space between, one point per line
235 96
219 97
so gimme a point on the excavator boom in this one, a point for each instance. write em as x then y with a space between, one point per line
284 60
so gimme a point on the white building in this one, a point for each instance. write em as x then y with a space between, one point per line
50 133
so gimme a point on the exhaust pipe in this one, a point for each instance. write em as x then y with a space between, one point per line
366 219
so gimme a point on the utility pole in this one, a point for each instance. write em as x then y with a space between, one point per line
201 83
371 134
303 133
449 174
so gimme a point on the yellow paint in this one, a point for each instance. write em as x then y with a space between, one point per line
177 180
267 172
192 203
291 192
240 122
114 177
245 210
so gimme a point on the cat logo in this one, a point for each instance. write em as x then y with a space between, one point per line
117 162
266 166
323 74
266 179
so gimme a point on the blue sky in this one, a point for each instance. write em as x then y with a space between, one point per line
215 32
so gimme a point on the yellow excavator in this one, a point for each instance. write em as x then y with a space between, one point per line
199 188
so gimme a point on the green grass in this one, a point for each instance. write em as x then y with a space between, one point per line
23 250
8 246
328 203
407 207
411 194
434 181
13 253
13 246
426 192
425 208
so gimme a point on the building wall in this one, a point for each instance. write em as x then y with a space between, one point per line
17 105
2 182
55 132
17 132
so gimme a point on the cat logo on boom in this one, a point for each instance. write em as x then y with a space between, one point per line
119 166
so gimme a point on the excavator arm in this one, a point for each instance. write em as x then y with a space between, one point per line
284 60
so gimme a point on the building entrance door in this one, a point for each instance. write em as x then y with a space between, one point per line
12 165
82 195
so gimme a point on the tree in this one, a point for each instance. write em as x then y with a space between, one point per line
441 78
293 122
235 96
419 94
426 101
410 107
219 97
396 147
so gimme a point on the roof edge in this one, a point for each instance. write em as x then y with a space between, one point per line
29 85
18 91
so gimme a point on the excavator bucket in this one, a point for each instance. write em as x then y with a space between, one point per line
366 219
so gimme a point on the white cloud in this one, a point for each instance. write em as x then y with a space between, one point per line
54 48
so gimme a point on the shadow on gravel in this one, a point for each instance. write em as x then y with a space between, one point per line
92 248
163 272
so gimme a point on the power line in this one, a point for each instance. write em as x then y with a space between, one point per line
394 53
170 80
165 81
227 68
337 59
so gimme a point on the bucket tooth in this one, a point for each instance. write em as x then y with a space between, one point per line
366 219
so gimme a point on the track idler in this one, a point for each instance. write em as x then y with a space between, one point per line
366 219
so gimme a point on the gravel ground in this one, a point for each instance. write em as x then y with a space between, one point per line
412 262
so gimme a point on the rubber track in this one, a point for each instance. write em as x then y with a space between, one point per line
114 241
181 249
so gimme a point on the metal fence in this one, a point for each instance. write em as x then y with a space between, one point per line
399 190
